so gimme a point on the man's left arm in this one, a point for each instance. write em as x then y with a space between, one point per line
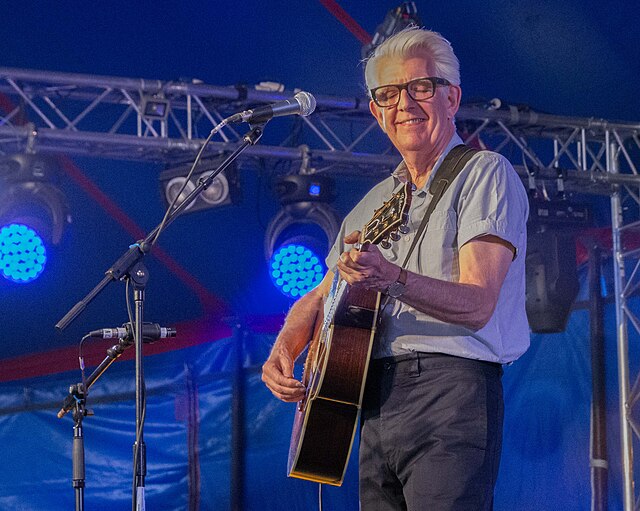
484 263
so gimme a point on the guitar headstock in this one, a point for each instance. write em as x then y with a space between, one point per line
386 221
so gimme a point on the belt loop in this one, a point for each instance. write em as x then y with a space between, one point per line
415 365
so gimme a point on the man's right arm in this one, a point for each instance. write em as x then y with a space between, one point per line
277 371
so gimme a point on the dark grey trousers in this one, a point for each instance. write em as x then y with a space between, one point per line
431 434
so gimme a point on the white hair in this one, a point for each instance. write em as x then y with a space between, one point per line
414 41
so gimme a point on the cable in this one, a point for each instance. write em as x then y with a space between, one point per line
215 130
85 390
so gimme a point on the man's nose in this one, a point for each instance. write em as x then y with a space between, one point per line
405 100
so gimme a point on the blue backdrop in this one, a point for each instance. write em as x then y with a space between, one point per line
189 431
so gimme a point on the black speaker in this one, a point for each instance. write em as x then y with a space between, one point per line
552 279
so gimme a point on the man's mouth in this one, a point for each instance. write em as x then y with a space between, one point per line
408 122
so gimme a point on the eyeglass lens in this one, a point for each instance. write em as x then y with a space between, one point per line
418 90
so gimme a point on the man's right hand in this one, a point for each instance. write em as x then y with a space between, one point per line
277 375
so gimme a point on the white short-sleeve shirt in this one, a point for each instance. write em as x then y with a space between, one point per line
487 197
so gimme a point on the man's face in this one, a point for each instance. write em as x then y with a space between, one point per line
415 126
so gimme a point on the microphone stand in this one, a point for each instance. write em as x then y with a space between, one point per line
77 400
77 452
130 267
139 278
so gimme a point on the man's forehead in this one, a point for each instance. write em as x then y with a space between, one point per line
392 69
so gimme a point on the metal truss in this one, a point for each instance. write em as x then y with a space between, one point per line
166 122
151 120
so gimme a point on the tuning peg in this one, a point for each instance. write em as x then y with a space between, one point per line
404 229
385 244
394 236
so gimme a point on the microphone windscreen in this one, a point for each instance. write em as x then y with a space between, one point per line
307 103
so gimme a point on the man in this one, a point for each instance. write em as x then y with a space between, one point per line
431 424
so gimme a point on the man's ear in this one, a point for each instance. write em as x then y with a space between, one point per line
454 96
377 113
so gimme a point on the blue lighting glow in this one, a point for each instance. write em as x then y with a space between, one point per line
295 270
22 253
314 189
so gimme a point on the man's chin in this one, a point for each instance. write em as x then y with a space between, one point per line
413 146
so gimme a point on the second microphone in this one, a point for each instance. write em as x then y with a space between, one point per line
150 332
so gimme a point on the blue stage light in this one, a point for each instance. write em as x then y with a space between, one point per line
299 236
22 253
295 269
33 214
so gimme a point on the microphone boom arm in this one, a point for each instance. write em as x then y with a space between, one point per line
137 251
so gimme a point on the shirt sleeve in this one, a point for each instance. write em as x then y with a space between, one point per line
338 247
493 201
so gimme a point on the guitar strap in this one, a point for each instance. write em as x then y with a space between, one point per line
451 166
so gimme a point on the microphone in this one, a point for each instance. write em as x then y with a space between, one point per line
150 332
302 103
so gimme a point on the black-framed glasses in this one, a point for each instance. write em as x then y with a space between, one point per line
419 89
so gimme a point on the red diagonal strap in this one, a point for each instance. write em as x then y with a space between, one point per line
343 17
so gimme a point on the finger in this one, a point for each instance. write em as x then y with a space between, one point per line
274 378
354 273
282 385
349 267
352 237
350 260
363 258
279 372
289 398
349 275
287 394
369 248
286 389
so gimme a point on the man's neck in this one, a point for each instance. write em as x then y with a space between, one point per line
420 170
421 163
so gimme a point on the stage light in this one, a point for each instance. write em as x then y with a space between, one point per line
399 18
552 283
22 253
300 235
154 108
224 189
33 214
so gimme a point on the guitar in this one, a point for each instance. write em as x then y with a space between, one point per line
335 369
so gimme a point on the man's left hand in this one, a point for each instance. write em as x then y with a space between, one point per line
367 268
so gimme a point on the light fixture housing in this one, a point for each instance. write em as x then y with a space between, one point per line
300 235
397 19
155 108
223 191
29 194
